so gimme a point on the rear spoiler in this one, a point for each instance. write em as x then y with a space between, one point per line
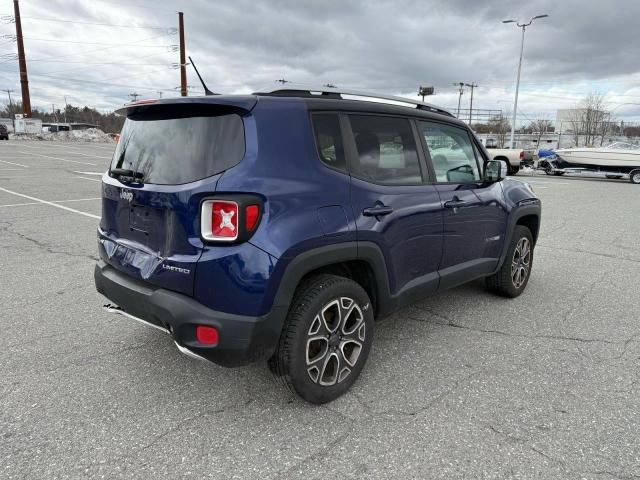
243 103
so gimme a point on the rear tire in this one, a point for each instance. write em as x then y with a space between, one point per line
326 338
513 170
512 278
634 176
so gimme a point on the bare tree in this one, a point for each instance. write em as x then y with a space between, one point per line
539 128
500 126
590 119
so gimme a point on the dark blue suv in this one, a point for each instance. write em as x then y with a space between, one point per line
280 225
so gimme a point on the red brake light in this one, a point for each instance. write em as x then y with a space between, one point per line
251 213
219 220
206 335
521 154
229 220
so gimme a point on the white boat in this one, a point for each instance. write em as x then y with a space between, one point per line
619 157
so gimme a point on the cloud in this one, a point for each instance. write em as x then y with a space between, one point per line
388 46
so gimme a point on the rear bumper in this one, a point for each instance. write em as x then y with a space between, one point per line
242 339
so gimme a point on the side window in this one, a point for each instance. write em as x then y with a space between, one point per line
451 152
326 127
386 150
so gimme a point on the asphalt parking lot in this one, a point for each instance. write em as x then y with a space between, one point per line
462 385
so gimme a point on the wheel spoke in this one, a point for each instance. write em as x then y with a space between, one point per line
331 316
352 319
330 370
350 351
317 348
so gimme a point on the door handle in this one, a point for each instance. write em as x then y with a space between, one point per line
377 211
454 204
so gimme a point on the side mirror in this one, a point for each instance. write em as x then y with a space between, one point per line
495 170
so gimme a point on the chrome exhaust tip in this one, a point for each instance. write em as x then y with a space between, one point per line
118 311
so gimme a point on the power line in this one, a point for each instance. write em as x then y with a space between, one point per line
115 25
97 49
52 40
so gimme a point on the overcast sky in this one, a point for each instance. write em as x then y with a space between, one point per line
387 46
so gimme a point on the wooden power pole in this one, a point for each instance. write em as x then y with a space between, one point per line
24 80
183 59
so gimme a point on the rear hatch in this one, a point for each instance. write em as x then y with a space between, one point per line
170 155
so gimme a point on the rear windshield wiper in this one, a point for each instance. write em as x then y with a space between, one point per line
126 173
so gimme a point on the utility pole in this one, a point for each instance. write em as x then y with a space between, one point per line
66 105
183 57
461 85
160 94
9 93
134 96
282 81
24 81
472 86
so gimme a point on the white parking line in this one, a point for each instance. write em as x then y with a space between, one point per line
90 173
16 164
39 200
53 201
58 158
90 179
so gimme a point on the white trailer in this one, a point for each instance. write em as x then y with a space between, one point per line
27 125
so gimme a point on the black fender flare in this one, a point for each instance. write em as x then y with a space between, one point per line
304 263
525 208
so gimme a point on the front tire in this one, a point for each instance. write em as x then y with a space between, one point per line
634 177
326 338
512 278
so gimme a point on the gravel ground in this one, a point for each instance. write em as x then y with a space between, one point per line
461 385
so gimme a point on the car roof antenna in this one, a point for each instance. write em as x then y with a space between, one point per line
206 90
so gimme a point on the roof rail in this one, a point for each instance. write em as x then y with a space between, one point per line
338 93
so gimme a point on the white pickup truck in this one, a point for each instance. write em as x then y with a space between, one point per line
513 157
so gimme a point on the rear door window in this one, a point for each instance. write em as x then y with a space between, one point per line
386 150
180 150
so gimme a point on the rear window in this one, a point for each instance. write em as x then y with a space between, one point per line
180 150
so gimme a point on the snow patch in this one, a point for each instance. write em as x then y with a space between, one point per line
92 135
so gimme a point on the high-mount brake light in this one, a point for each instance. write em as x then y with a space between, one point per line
142 102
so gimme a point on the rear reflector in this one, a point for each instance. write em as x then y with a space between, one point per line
206 335
251 213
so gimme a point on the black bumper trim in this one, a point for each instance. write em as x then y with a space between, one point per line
243 339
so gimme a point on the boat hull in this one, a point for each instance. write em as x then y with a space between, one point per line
614 160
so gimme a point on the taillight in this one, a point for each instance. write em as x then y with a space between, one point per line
521 154
251 214
226 220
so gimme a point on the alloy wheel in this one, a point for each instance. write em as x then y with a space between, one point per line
334 341
521 262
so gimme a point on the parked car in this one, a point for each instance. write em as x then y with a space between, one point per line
515 157
280 225
4 133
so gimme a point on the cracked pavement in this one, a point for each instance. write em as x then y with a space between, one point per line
461 385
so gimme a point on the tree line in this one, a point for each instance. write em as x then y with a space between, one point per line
107 122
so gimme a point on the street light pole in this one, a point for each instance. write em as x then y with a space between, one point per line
523 26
